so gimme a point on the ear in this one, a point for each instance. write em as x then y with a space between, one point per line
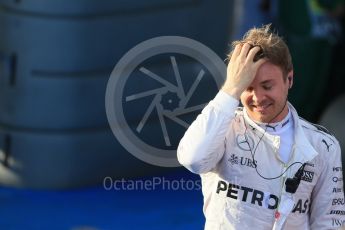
290 78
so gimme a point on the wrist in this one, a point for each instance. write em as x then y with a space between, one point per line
225 102
235 93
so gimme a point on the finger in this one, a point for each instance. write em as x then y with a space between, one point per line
252 53
233 56
244 51
259 62
237 50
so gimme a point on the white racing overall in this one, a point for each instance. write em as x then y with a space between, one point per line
219 147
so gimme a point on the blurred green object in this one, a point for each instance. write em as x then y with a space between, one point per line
311 45
293 17
311 58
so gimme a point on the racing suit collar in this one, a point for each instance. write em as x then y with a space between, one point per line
302 150
275 128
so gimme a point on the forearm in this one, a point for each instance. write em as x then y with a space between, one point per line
204 142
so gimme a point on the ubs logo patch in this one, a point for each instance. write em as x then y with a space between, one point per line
233 159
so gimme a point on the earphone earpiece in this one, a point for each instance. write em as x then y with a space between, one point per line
290 82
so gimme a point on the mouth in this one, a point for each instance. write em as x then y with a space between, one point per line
261 108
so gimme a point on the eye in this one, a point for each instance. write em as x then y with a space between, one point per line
267 87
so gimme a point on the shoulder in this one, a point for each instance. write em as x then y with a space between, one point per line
307 125
319 135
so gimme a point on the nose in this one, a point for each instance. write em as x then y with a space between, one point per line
257 96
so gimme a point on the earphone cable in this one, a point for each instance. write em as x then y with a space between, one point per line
253 153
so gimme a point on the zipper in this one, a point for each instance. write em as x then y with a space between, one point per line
285 166
276 213
283 179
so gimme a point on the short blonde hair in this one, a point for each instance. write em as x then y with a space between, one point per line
272 47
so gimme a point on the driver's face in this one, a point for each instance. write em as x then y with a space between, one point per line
266 96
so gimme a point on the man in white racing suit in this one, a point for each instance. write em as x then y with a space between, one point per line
262 166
